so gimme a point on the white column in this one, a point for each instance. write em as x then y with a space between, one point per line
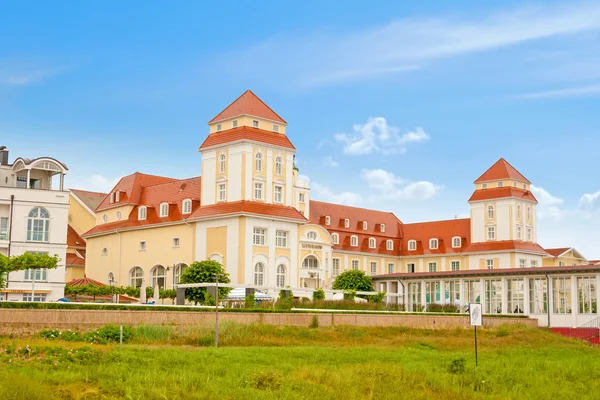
442 291
482 296
574 301
526 310
461 291
62 181
549 288
423 297
598 294
28 177
504 292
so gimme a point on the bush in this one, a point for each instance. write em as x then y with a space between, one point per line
319 294
349 296
284 302
442 308
266 380
315 322
457 366
250 301
103 335
377 298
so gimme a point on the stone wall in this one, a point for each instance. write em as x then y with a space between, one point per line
29 320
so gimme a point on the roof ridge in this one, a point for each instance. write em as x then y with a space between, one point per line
175 180
439 220
358 208
88 191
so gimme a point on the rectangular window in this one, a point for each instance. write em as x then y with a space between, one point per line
36 297
37 230
432 267
222 192
255 123
3 228
493 296
234 123
484 185
586 293
354 264
164 210
390 245
373 268
538 301
278 194
218 127
414 296
562 295
281 238
335 267
533 263
522 263
455 265
301 197
346 223
412 245
491 230
519 233
410 268
391 268
258 191
259 236
142 245
275 128
452 292
40 274
489 264
327 220
515 295
500 184
432 292
561 263
175 242
472 291
382 227
529 234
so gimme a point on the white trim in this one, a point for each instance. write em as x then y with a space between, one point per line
248 115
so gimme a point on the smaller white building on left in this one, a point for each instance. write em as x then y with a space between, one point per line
34 213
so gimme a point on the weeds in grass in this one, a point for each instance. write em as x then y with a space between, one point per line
266 380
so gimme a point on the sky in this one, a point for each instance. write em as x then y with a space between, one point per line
397 106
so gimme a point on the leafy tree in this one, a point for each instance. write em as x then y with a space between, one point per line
319 294
353 280
25 261
250 301
204 272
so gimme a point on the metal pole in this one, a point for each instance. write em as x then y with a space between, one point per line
475 345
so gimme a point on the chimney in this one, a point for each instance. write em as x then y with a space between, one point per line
3 155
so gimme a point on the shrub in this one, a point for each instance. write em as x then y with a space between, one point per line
377 298
349 296
319 294
250 301
442 308
266 380
315 322
457 366
353 279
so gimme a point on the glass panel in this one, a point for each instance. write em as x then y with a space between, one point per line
493 296
538 296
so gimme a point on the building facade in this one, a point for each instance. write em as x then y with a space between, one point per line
33 218
250 211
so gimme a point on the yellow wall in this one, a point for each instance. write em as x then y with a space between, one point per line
241 249
112 212
569 259
216 243
74 273
124 254
247 121
505 182
79 218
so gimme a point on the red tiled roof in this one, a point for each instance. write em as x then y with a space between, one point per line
130 187
85 281
173 192
557 251
504 245
247 133
248 104
247 207
73 238
444 231
338 213
501 170
91 199
502 192
74 260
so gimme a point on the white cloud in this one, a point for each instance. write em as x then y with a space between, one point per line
24 76
376 136
579 91
548 205
331 162
590 201
95 183
320 192
389 186
320 58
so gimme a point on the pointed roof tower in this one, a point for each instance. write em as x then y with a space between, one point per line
248 104
501 170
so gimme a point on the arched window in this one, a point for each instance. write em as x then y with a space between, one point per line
389 245
364 225
372 243
111 278
118 215
310 262
335 238
259 274
327 220
222 163
142 212
164 209
38 224
179 270
136 277
159 277
187 206
281 275
490 212
259 161
412 245
433 244
354 241
346 223
105 218
278 166
456 242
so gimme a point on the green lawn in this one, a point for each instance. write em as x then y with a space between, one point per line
266 362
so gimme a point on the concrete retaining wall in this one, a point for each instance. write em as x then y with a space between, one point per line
27 320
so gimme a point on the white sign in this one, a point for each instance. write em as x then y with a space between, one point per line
475 314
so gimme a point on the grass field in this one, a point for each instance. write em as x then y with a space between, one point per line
268 362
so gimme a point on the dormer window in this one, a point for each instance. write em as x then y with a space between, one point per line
364 225
234 123
328 220
372 243
142 212
484 185
389 245
500 184
456 242
335 238
164 209
412 245
187 206
382 228
117 196
354 241
515 183
346 223
433 244
275 128
524 186
255 123
218 127
112 197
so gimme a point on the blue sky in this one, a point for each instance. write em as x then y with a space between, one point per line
392 105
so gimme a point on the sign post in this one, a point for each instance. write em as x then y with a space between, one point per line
475 319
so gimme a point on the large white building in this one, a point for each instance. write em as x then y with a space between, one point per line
34 209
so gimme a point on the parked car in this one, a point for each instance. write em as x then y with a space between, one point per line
63 300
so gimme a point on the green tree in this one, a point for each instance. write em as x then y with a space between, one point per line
319 294
25 261
355 280
204 272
